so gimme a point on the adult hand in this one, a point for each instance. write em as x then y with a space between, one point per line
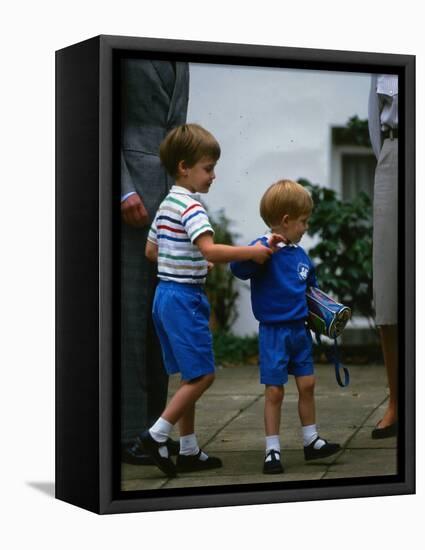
133 211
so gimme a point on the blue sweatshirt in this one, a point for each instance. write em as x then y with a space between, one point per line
278 286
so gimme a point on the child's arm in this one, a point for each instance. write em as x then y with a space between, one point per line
246 270
223 253
151 251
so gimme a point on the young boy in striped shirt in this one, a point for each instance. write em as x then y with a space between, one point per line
181 241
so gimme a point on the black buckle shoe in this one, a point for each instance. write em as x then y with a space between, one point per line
273 466
328 449
192 463
133 453
173 447
165 464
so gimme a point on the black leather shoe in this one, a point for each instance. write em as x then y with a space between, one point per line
193 463
152 447
382 433
173 447
328 449
134 454
274 465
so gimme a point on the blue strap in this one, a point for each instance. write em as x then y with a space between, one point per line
334 358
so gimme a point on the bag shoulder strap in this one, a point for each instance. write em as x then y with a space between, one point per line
334 358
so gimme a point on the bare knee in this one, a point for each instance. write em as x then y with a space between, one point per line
274 394
306 385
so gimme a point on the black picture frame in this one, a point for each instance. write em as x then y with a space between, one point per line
86 453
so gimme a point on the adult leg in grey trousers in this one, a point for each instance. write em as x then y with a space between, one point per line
144 381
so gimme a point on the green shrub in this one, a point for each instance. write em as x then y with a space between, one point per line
220 285
343 256
235 350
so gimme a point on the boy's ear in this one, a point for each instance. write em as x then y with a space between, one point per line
182 168
285 219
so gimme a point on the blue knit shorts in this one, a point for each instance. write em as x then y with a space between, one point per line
181 315
284 349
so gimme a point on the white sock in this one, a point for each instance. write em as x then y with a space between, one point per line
272 443
189 446
310 434
160 432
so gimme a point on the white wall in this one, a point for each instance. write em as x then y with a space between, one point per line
31 31
271 124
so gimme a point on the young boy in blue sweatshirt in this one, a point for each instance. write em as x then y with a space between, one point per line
278 297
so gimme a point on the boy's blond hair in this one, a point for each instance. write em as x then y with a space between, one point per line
285 197
188 142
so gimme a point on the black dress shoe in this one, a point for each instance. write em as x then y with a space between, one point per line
274 465
152 447
173 447
193 463
382 433
328 449
133 453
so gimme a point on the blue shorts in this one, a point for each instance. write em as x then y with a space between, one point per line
181 315
284 349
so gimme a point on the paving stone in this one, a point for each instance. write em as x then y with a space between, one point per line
131 472
363 440
363 463
229 424
239 480
142 484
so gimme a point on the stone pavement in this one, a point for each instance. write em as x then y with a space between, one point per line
229 419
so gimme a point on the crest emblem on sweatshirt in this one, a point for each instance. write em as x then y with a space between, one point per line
303 270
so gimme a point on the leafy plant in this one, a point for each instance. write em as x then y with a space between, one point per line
235 350
343 256
356 132
220 285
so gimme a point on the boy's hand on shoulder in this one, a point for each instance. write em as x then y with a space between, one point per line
210 266
260 253
274 240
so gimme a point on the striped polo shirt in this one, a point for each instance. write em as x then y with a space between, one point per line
180 219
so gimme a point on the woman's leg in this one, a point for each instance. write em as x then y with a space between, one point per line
389 341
